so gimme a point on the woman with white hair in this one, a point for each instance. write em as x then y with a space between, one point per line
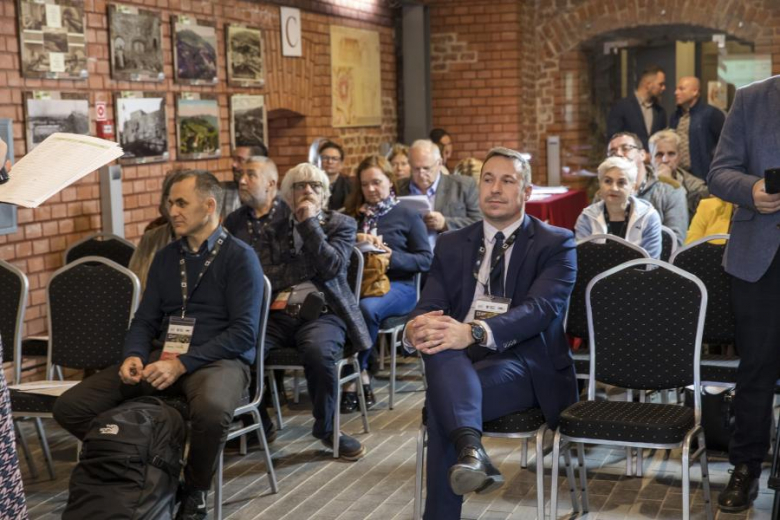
619 212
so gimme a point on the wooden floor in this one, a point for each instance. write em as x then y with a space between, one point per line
381 486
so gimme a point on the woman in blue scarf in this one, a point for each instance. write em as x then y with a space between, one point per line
402 234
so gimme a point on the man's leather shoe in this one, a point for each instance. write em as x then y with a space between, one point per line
474 472
349 402
740 492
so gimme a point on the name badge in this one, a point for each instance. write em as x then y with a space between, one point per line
178 337
489 306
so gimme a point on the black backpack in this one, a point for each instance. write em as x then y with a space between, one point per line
129 464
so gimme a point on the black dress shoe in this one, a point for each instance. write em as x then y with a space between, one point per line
349 402
370 398
474 472
740 492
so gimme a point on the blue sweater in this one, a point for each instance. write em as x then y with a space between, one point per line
404 231
226 304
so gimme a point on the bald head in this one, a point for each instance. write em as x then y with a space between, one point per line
688 91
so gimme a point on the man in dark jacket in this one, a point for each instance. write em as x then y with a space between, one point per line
309 255
640 113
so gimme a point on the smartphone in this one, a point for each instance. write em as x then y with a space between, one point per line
772 180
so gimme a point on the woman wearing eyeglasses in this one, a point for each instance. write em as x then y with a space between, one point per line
619 212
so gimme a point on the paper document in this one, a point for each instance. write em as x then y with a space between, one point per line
538 196
52 388
418 203
56 163
550 190
368 247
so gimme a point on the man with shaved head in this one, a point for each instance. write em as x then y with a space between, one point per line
698 125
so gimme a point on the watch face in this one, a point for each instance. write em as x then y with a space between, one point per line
477 332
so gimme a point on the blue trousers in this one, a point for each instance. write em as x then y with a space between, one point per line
466 388
400 300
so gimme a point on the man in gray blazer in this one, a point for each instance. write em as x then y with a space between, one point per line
454 198
750 144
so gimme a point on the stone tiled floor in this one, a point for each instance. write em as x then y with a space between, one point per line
381 486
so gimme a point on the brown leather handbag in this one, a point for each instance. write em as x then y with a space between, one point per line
375 280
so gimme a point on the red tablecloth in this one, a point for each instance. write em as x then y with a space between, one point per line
559 210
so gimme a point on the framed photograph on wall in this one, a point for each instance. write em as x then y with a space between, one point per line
8 220
244 47
48 112
197 126
135 38
248 121
141 125
194 51
52 39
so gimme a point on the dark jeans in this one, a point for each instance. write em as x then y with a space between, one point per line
321 344
398 301
466 388
756 308
213 392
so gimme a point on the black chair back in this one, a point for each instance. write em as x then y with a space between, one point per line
705 260
90 304
668 243
104 245
13 302
645 326
595 255
355 272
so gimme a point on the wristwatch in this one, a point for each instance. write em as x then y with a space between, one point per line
478 333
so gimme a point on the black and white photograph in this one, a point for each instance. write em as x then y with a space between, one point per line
141 127
248 121
194 51
135 39
245 56
197 126
52 39
49 112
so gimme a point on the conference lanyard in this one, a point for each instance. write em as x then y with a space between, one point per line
495 257
267 219
183 272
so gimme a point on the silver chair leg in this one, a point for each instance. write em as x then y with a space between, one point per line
275 399
575 505
269 464
556 462
418 475
422 371
45 447
639 461
583 478
393 368
686 478
218 485
22 442
242 445
59 373
337 410
705 477
539 471
524 454
382 350
361 394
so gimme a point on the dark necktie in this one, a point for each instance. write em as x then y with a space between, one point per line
497 267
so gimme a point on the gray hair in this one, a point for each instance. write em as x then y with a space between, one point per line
426 144
619 163
269 167
664 135
519 161
300 173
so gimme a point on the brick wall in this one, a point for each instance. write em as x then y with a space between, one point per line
297 96
530 79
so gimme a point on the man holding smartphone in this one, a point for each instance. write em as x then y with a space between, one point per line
750 146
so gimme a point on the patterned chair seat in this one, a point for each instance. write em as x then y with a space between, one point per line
525 421
393 322
24 402
626 421
722 369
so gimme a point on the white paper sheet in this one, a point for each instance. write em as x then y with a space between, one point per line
418 203
550 190
53 388
59 161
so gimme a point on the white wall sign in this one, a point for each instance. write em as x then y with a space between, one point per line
292 45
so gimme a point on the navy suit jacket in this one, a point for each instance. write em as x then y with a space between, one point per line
626 116
703 134
540 278
749 144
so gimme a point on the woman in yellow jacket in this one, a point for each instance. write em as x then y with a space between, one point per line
713 217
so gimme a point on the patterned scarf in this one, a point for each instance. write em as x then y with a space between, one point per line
372 212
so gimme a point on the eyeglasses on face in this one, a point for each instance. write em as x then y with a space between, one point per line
623 149
330 158
314 185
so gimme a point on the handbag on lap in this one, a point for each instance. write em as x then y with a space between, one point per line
375 280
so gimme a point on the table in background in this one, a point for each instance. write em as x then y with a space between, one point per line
560 209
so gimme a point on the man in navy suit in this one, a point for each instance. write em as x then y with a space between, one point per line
750 144
489 325
640 113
